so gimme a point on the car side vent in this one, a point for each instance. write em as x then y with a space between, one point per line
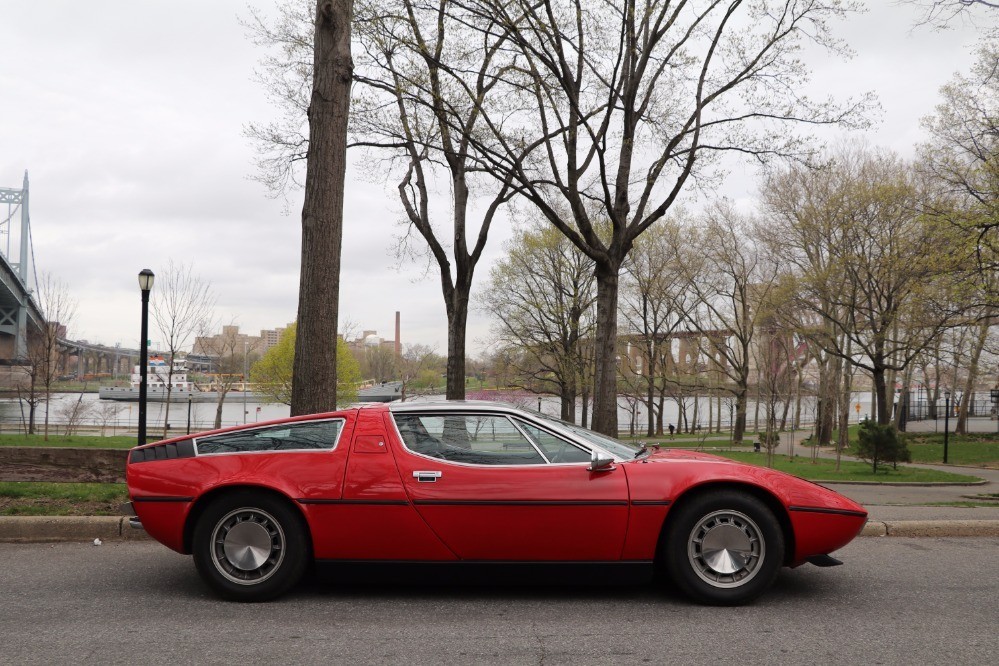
171 451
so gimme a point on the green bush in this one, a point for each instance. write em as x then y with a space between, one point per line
881 443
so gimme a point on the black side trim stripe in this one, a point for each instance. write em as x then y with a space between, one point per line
389 502
651 502
150 498
502 563
521 502
838 512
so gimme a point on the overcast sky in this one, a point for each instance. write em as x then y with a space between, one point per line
128 117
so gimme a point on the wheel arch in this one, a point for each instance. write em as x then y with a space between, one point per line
769 499
205 500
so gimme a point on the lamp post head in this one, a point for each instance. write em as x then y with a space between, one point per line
146 278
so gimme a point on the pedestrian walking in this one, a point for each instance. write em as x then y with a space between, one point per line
671 430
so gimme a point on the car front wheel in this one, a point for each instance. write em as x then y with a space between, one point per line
250 546
723 548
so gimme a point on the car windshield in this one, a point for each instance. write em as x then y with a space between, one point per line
612 446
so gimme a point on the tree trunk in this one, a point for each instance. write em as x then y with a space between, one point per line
218 411
878 377
659 414
843 441
166 406
972 376
605 370
567 396
314 373
825 402
650 382
457 321
741 399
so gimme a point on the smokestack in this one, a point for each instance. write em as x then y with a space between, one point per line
398 342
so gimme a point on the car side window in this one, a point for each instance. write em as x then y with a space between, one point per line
473 439
556 449
304 436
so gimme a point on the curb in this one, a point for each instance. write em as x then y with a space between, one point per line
931 528
48 529
43 529
905 484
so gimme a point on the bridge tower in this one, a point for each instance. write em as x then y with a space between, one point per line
16 277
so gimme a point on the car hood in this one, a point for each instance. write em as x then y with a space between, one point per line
686 454
793 490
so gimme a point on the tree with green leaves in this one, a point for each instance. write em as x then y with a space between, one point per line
877 278
962 155
274 372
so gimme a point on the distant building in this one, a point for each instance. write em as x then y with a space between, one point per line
231 338
370 339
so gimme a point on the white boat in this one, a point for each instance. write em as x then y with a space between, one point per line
158 378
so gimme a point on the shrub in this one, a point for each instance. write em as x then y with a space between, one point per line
881 443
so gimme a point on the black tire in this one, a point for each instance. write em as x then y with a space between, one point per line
744 553
250 546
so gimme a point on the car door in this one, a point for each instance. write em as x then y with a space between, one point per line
485 488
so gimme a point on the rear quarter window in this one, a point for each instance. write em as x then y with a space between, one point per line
307 436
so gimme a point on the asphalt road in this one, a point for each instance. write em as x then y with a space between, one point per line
895 601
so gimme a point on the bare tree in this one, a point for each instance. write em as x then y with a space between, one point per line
942 13
107 414
230 358
73 415
540 296
182 306
57 308
654 304
418 103
314 388
624 103
377 362
732 285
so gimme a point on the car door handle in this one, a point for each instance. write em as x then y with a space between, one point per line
427 476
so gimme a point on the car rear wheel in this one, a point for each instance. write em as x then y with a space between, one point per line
250 546
723 548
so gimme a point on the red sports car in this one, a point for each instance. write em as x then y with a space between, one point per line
473 482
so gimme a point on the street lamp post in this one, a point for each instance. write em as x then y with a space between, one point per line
189 395
146 277
946 422
244 380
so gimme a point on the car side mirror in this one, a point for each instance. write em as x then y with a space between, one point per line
600 462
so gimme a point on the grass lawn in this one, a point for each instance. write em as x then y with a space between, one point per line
62 499
82 441
689 439
825 470
974 449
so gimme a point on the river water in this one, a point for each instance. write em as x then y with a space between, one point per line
117 417
120 417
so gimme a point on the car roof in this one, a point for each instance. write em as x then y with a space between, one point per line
453 406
